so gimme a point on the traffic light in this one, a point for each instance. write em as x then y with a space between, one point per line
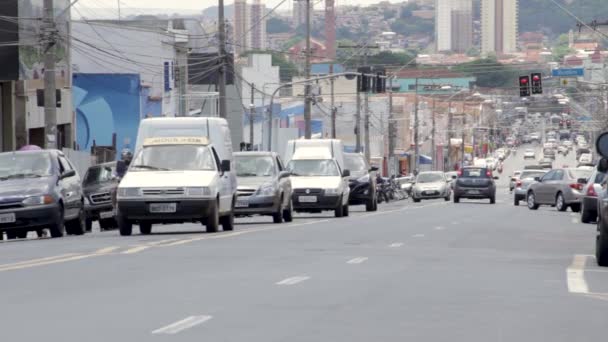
537 83
524 86
363 80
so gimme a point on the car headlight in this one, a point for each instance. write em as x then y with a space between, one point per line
268 189
128 192
38 200
201 191
332 191
363 179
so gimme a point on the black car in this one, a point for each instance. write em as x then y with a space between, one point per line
362 181
99 184
475 182
39 189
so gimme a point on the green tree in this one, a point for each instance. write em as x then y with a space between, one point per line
389 14
489 73
473 52
561 48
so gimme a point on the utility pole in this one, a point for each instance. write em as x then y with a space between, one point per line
434 154
222 59
391 129
358 123
332 103
119 16
464 125
366 104
416 147
450 136
307 99
251 114
50 87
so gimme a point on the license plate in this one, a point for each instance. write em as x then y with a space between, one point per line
428 192
7 218
242 203
308 199
163 207
474 192
106 214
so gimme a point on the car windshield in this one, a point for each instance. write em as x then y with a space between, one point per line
24 165
174 157
474 173
355 163
531 174
313 168
579 173
430 178
254 166
100 174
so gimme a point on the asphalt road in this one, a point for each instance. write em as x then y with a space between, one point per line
430 271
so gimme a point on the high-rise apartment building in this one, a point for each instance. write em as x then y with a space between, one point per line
241 25
299 12
258 26
499 26
453 25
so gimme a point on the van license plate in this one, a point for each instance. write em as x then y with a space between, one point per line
474 192
7 218
163 207
106 215
308 199
242 204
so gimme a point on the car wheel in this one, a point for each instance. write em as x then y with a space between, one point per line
11 235
213 220
339 211
447 198
288 212
345 210
532 205
124 226
515 201
575 207
57 229
369 205
22 234
560 203
227 221
601 243
145 228
585 215
456 199
493 199
277 217
416 200
78 225
89 225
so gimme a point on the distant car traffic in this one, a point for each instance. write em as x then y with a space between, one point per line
561 188
264 187
546 163
99 185
529 154
526 178
475 183
40 189
431 185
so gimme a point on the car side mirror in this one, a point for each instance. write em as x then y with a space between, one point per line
373 169
68 174
602 165
538 179
346 173
454 177
582 181
284 174
513 179
225 166
496 177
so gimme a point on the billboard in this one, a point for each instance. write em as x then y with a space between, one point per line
107 104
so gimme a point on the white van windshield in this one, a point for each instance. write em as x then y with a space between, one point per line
313 168
174 157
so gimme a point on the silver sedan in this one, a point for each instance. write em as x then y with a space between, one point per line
561 188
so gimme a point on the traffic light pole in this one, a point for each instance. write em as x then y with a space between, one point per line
50 86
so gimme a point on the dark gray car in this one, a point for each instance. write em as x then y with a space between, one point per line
561 188
475 182
99 184
39 189
264 187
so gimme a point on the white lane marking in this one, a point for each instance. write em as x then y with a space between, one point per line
439 228
358 260
575 275
418 235
395 245
455 222
182 325
293 280
573 214
33 261
575 220
106 250
48 262
137 249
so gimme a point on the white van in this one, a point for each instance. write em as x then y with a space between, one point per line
181 172
318 178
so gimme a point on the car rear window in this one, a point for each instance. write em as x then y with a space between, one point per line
474 173
532 174
576 174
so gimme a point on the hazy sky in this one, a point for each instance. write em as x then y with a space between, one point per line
200 4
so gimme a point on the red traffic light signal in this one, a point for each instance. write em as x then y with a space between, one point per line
537 83
524 86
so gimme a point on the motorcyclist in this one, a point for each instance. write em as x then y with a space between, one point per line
126 156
